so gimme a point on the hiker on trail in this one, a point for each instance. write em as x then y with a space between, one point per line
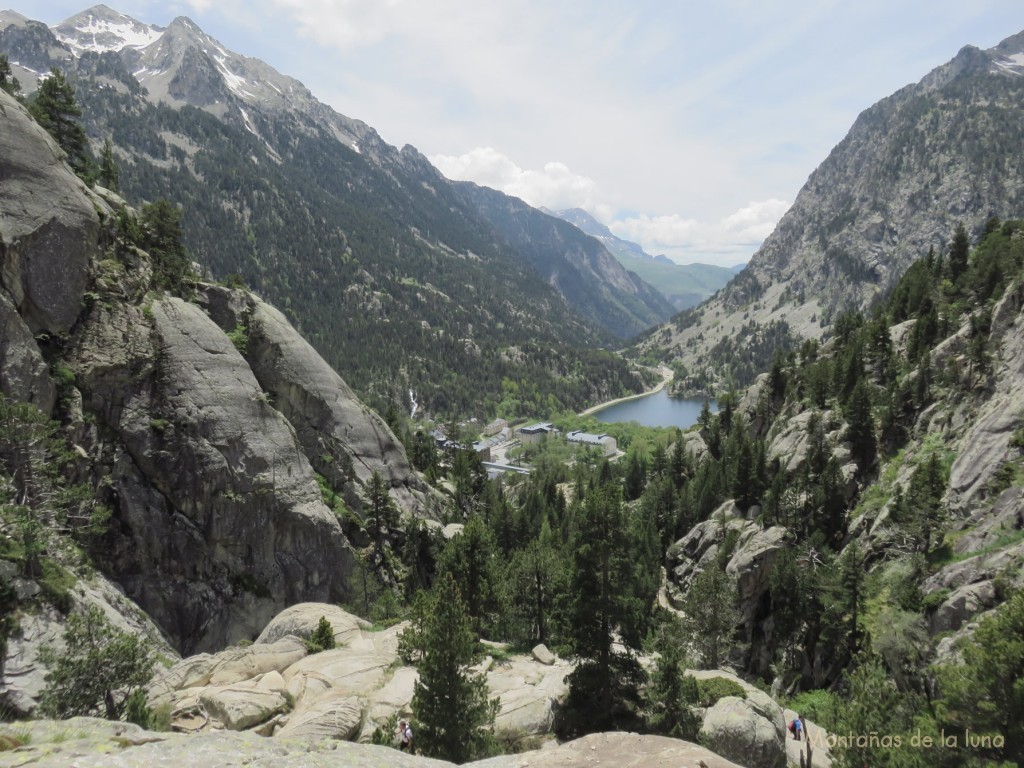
405 736
798 728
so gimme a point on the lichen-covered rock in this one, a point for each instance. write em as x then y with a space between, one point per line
736 729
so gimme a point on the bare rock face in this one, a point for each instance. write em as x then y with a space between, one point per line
48 228
986 443
48 225
24 375
221 520
346 441
738 729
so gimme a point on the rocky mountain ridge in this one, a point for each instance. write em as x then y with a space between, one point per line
376 232
912 166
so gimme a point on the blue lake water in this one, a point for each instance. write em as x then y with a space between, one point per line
657 410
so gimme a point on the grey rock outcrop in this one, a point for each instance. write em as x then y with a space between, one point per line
48 225
985 445
24 375
91 743
342 693
739 730
346 441
213 494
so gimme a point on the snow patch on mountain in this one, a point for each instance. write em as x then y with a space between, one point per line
99 31
1012 64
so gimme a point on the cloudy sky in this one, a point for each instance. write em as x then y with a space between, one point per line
685 125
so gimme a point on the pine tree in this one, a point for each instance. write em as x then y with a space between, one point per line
97 671
55 108
672 696
322 637
711 614
162 234
8 82
958 253
604 688
451 704
861 427
986 692
109 172
470 559
381 512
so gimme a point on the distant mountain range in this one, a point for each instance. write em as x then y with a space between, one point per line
401 278
685 285
935 154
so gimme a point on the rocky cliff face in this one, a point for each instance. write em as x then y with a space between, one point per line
201 453
941 152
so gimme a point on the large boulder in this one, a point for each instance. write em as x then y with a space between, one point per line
335 715
527 692
302 619
741 730
961 606
239 708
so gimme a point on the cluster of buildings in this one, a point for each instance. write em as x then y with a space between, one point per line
534 433
498 432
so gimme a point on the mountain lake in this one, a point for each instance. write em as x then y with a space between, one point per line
657 410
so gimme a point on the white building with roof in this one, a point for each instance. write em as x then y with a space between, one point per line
605 442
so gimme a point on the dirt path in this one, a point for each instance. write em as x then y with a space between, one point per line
666 377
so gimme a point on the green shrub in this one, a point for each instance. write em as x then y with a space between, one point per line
322 638
820 707
711 690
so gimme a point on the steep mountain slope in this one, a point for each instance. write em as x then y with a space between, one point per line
204 448
684 285
940 152
320 215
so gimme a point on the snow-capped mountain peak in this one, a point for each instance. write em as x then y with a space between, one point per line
103 29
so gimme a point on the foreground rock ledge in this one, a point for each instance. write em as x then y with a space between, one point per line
90 743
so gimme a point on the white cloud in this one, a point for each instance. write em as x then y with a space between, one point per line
657 232
346 23
756 221
554 186
725 241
